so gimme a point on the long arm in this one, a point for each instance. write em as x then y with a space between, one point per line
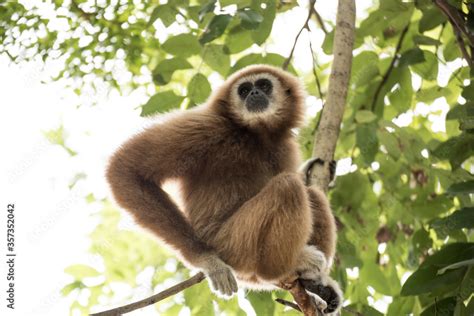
136 172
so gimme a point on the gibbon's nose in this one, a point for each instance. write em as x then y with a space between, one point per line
256 101
255 92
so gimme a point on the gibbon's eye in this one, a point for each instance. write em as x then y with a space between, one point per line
244 89
265 85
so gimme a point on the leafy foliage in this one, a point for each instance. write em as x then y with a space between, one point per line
406 205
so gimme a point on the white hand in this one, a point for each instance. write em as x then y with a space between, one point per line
220 275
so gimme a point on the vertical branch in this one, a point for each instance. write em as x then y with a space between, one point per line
331 117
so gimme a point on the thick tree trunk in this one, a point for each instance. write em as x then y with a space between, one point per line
329 126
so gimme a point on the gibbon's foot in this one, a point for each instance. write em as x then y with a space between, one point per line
326 288
311 259
220 276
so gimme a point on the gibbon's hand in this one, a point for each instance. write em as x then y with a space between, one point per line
220 276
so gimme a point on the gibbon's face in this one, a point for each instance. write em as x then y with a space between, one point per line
257 97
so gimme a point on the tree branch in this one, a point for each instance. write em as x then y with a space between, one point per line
155 298
331 116
459 27
306 304
320 20
390 68
305 26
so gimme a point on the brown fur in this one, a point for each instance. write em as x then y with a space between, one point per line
243 199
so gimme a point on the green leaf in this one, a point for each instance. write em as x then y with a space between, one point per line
411 57
425 40
456 149
80 271
431 19
426 278
328 43
164 70
183 45
250 19
215 28
444 307
461 111
401 97
463 218
366 139
260 302
66 290
237 40
161 102
207 8
401 306
461 187
364 68
199 88
464 263
429 68
165 13
390 142
468 91
215 58
365 116
268 13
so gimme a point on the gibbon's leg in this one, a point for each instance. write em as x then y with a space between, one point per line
324 224
322 243
269 231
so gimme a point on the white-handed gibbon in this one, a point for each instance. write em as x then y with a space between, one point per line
248 218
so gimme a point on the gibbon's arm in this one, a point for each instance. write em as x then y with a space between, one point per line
136 172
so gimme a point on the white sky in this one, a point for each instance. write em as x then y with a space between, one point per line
52 222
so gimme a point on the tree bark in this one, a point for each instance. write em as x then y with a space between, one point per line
329 126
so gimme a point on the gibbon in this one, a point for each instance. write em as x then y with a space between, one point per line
248 218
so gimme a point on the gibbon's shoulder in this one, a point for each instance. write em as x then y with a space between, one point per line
198 121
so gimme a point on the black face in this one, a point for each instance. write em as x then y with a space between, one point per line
256 95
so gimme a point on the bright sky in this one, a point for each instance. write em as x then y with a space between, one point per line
52 222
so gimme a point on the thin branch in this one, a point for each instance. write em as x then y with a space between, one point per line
155 298
459 26
315 73
288 303
320 20
456 19
462 47
390 68
305 26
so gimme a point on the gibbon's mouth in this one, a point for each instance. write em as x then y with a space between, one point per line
256 103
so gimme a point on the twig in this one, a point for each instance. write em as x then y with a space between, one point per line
305 26
289 304
459 27
320 20
390 68
155 298
456 18
315 73
462 47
